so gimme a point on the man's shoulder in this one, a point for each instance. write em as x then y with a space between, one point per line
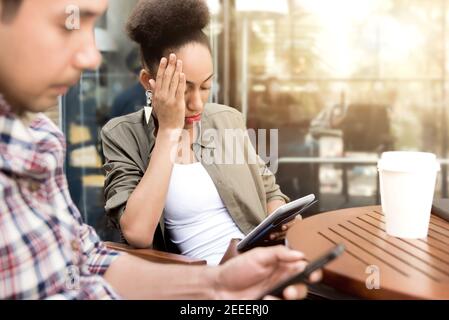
42 123
45 129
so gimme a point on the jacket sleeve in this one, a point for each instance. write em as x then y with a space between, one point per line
272 189
122 175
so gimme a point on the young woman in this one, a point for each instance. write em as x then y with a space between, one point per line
159 188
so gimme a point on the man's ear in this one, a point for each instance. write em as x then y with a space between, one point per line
144 78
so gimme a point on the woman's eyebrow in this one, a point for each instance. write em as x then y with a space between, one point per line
210 77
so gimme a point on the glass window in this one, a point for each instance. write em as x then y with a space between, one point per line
110 91
342 81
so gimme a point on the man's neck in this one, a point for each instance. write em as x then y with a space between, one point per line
25 116
14 105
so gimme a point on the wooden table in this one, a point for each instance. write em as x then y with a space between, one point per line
407 269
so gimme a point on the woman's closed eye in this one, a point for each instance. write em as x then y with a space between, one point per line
201 89
206 85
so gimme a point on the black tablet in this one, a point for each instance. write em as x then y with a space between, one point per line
259 235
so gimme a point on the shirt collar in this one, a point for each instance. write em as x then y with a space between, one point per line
5 108
33 150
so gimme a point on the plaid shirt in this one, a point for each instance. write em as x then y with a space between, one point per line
45 249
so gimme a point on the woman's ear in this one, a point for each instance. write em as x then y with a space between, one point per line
144 78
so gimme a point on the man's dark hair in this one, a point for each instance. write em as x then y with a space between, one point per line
161 27
9 9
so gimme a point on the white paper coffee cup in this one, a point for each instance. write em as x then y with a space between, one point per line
407 185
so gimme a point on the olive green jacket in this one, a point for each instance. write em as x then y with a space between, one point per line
244 186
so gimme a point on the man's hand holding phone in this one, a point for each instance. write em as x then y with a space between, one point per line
311 273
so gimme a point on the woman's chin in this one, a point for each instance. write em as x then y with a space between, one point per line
188 124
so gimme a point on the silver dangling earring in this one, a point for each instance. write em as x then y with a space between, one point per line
148 108
149 95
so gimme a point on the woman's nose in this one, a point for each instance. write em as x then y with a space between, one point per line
195 103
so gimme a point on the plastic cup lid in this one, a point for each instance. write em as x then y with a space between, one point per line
407 161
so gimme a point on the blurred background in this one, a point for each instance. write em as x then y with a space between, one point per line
342 80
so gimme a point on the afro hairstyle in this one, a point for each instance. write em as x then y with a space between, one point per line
160 26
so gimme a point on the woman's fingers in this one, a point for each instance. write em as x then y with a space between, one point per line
175 80
168 74
275 235
283 233
160 74
291 223
181 86
278 235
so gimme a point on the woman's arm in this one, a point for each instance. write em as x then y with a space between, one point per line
146 203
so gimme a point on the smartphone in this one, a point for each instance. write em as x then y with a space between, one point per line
285 213
304 275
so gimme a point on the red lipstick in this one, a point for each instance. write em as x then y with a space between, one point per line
193 119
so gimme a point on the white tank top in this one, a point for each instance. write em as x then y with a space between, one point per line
195 216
